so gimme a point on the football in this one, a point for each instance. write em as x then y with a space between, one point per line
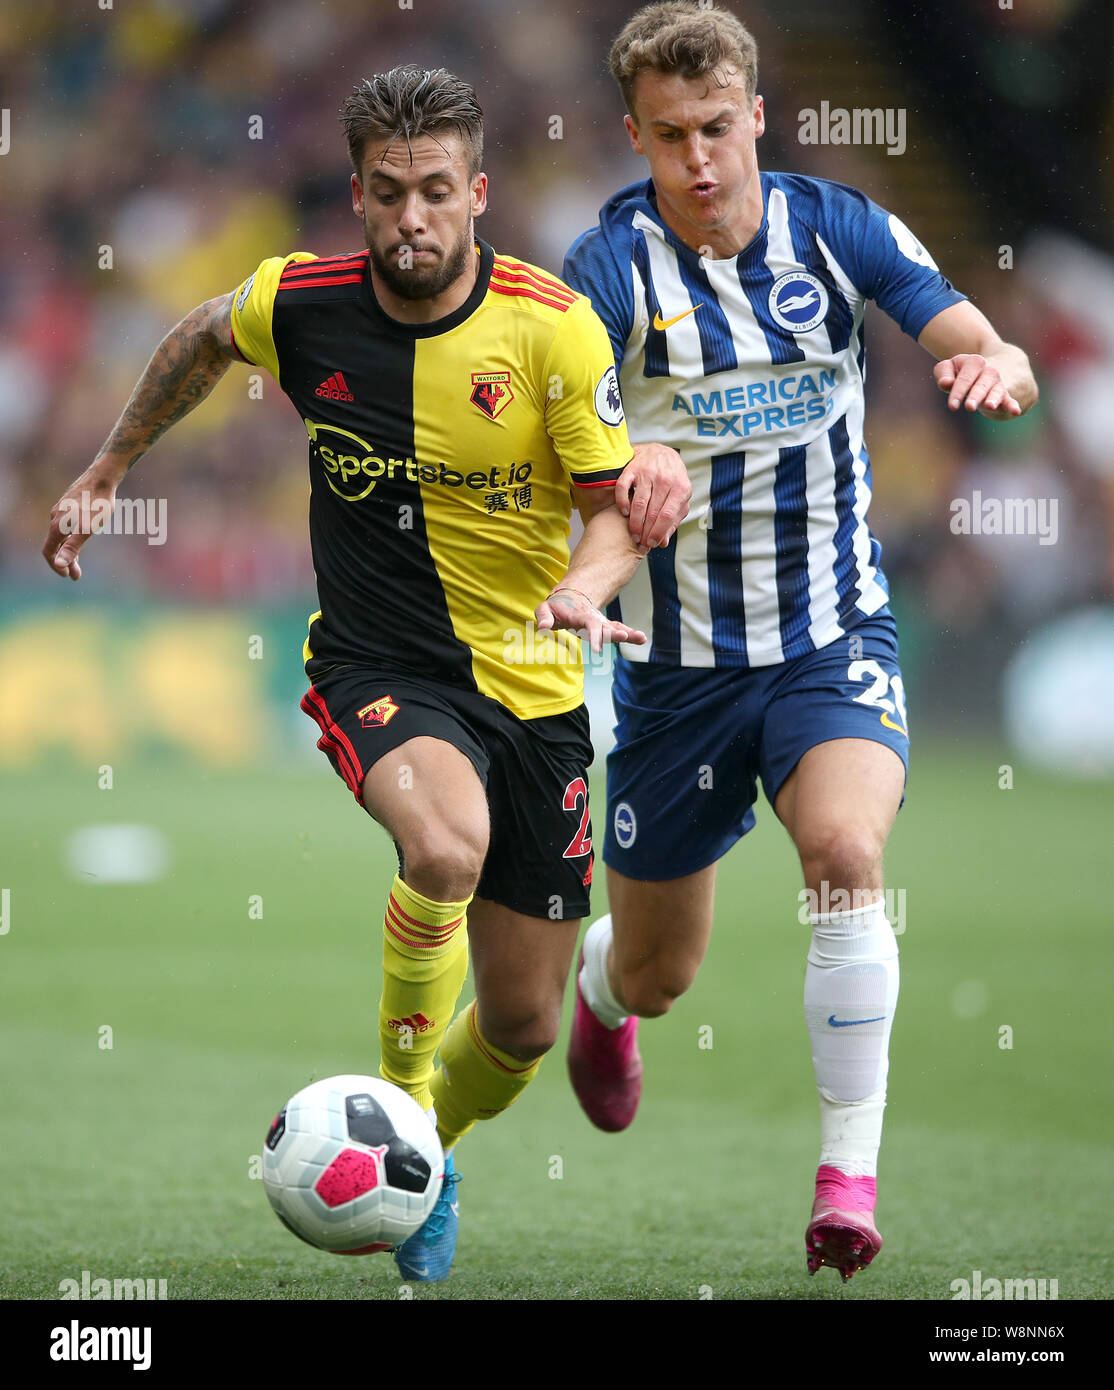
352 1165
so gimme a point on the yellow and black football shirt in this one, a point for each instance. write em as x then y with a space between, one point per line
440 459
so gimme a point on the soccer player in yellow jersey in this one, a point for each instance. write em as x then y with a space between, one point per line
454 399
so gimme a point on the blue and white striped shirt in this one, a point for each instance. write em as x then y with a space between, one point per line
752 368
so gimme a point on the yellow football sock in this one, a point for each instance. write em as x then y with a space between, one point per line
475 1080
425 960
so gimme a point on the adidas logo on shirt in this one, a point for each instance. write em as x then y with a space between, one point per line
335 389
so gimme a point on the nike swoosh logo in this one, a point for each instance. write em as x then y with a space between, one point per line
889 723
662 324
850 1022
419 1272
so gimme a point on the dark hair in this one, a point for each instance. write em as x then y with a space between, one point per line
682 37
409 102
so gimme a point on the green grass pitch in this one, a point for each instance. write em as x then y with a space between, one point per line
135 1160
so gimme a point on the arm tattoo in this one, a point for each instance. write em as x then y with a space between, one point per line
183 369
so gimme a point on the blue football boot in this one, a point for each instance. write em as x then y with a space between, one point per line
427 1256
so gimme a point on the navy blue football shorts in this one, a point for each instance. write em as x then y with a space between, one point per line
692 742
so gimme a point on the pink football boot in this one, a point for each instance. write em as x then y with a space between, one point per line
604 1066
842 1233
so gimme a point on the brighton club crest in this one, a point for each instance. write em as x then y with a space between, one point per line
491 392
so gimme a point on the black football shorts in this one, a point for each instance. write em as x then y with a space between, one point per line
535 773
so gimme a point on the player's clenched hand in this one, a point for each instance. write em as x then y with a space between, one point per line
81 511
974 381
574 611
653 493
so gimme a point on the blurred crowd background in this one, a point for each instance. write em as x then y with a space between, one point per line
132 189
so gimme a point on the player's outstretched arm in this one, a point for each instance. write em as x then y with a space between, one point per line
605 558
653 492
183 369
975 367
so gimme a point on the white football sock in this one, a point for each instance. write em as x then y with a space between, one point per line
851 987
594 983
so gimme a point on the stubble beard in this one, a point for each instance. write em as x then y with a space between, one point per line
421 281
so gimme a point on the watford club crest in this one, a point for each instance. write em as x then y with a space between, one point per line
379 713
491 392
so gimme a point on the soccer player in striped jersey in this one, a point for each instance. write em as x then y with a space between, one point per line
454 399
734 300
